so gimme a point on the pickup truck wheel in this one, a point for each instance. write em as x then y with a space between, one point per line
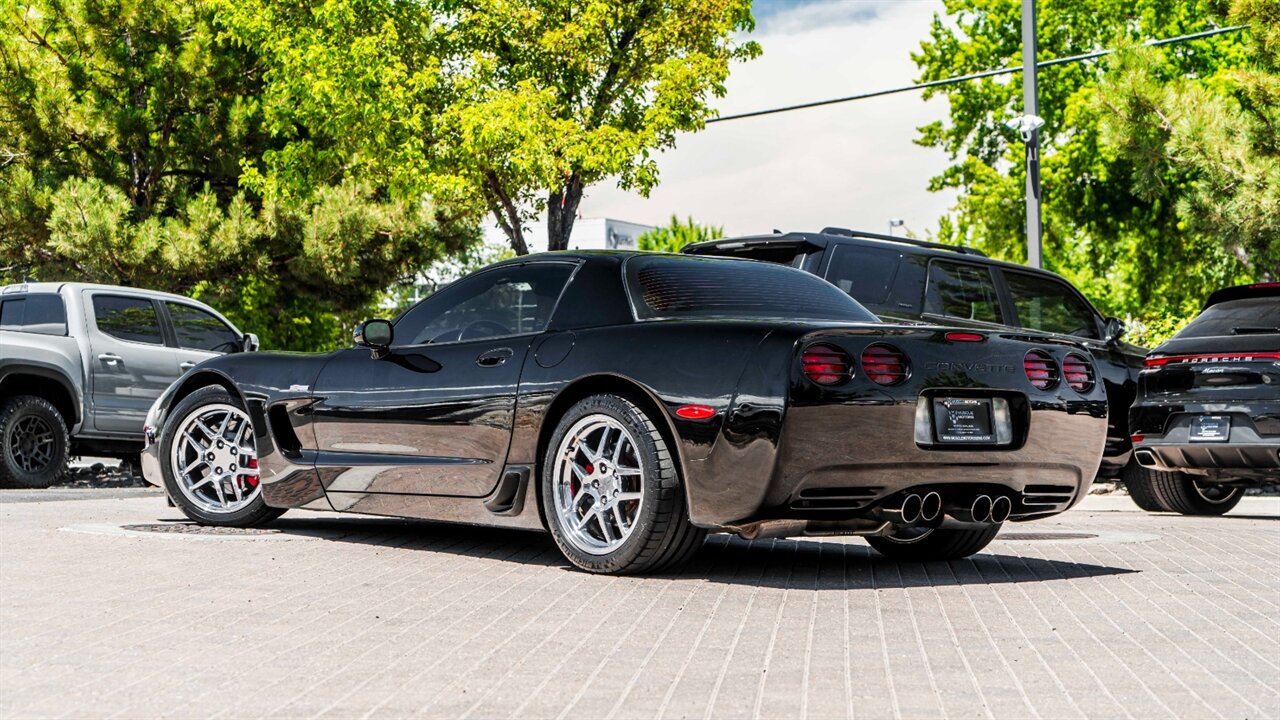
33 443
208 457
930 544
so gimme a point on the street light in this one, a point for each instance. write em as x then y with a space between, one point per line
893 223
1028 127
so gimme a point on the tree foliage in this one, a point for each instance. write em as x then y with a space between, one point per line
1128 250
510 107
125 129
676 234
1209 146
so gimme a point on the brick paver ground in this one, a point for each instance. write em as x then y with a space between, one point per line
1152 616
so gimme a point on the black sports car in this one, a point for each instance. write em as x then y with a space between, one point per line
631 403
1207 417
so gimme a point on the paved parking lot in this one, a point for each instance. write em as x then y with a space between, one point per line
1104 612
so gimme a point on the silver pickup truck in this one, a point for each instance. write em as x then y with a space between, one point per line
81 364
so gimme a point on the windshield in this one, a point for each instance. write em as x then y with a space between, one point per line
673 286
1248 316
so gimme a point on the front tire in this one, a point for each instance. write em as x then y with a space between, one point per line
934 543
209 461
611 492
34 445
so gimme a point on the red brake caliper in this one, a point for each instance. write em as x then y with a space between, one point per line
252 480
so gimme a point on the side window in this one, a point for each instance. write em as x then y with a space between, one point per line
507 301
867 274
1050 306
127 318
41 313
962 291
199 330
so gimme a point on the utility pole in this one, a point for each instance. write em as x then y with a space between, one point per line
1030 131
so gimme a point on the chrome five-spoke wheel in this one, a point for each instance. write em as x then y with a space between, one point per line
598 485
214 460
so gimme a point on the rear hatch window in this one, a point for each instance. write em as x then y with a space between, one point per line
1250 316
672 286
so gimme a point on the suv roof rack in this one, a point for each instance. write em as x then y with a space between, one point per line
846 232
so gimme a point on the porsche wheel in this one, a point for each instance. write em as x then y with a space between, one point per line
926 544
1141 484
1185 494
611 493
33 443
209 461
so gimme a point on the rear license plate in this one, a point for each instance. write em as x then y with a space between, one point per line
963 420
1211 428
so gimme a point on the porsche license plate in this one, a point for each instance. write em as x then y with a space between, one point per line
1211 428
963 420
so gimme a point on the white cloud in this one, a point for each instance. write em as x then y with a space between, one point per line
851 165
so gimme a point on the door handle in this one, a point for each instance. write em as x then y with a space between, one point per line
187 365
494 358
109 358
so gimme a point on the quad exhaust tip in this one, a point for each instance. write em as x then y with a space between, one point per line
930 507
980 510
1001 509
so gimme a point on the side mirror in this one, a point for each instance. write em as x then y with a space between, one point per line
249 343
1112 330
375 335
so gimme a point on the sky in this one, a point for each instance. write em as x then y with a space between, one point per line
850 165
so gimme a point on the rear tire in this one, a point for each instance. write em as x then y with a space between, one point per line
634 477
937 544
192 498
34 445
1183 494
1141 484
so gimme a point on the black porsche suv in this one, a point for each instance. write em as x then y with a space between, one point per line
1206 421
905 279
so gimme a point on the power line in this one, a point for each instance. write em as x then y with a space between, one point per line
974 76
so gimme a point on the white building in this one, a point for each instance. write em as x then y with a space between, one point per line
605 234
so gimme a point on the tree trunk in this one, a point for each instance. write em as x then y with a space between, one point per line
506 213
562 210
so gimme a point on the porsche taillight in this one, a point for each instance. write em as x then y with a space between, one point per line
1078 373
884 364
826 365
1041 370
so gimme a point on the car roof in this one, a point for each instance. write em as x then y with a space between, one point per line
831 236
56 287
1240 292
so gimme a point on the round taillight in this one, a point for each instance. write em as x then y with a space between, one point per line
1078 373
1041 370
826 365
884 364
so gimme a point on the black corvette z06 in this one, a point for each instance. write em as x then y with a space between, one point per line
1206 420
631 403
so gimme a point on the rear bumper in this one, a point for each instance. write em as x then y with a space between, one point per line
1251 451
842 461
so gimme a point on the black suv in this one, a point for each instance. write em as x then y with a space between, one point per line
904 279
1206 421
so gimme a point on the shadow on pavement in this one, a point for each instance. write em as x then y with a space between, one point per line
801 564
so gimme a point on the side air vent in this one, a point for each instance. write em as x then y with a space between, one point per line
843 498
282 431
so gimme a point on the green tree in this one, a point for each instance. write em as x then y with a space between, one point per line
1208 146
676 234
1129 252
506 107
125 128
